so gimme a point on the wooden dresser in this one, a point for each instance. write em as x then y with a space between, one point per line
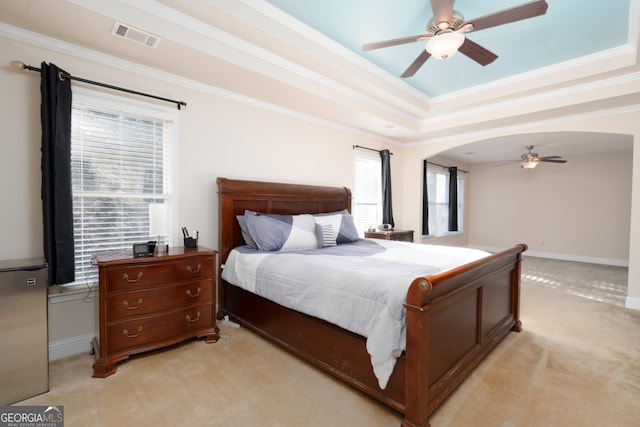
152 302
401 235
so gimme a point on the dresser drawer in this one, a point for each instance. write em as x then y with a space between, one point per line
148 331
157 299
153 302
142 275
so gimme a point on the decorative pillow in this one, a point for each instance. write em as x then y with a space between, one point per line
326 235
273 232
246 235
341 221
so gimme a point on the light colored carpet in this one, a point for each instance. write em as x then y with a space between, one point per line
577 363
604 283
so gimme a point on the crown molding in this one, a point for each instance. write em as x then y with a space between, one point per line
169 23
528 127
305 31
72 50
607 86
440 112
585 66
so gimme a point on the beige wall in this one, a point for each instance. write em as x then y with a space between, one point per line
579 210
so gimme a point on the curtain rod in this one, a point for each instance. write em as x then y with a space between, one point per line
446 167
370 149
22 66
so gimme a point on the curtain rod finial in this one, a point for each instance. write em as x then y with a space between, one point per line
17 64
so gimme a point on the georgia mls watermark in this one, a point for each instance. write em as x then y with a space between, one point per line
31 416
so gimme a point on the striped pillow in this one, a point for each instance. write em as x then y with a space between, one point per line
326 235
343 225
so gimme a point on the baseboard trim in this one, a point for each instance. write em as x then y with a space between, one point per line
632 303
70 346
564 257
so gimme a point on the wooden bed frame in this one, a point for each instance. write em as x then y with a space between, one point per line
454 319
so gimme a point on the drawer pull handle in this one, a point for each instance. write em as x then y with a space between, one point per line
126 304
190 270
192 295
125 276
126 332
190 320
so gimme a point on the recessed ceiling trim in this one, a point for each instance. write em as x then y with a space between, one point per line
54 45
585 66
604 88
353 22
325 42
528 127
181 28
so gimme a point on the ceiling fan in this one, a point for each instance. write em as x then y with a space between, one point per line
446 32
530 160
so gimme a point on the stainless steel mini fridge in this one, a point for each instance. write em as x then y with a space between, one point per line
24 346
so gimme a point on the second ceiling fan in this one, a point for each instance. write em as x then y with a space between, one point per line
530 159
446 32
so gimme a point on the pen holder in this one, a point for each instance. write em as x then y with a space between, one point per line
190 242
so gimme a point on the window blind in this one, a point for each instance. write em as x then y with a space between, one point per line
120 164
368 190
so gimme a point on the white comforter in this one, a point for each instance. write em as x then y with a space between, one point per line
364 293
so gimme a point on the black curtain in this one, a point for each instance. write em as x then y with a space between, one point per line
453 199
425 200
387 210
57 201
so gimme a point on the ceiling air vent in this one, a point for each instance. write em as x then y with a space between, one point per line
136 35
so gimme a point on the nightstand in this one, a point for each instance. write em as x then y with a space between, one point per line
400 235
153 302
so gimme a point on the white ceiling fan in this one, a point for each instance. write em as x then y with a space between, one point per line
446 32
530 159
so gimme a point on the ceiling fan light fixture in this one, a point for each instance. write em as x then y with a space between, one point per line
445 44
529 164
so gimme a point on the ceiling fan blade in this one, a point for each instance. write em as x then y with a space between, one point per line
476 52
416 64
552 160
509 162
550 157
517 13
442 11
394 42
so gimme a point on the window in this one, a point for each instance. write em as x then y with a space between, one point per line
121 162
437 183
367 195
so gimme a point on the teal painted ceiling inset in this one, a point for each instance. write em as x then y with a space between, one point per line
570 29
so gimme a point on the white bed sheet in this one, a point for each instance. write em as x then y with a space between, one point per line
363 294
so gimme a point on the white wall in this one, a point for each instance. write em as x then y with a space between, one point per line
218 136
578 210
21 215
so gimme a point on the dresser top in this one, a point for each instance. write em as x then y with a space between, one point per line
127 255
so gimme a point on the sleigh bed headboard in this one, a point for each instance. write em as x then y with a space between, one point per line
236 196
